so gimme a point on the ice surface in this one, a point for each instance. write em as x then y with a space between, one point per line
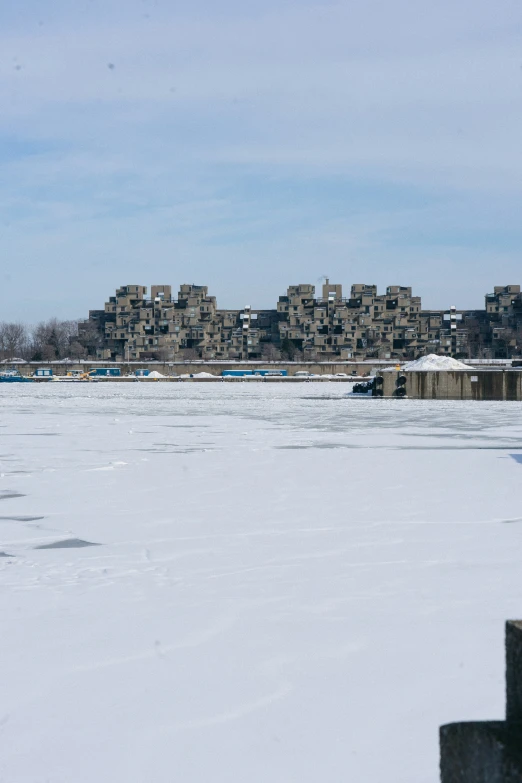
292 586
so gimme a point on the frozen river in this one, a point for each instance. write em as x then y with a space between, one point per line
287 586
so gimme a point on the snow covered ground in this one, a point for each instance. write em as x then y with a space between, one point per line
288 586
431 363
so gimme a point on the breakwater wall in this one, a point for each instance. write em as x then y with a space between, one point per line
503 384
489 751
249 379
216 368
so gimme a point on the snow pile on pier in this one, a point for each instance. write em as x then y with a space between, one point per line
433 362
155 374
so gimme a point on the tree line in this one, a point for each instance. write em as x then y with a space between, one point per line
52 340
45 342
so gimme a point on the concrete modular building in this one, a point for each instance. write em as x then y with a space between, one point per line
366 325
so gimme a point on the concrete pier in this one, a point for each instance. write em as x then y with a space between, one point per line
504 384
361 368
489 751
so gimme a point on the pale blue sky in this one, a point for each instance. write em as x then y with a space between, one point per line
249 146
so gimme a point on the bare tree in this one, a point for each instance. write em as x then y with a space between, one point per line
52 339
288 350
13 340
77 350
90 336
270 353
190 355
42 347
46 353
165 353
70 329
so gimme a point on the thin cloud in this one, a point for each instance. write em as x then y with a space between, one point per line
263 143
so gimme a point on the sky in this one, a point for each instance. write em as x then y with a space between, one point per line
252 146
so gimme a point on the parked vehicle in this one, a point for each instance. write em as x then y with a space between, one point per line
75 376
373 387
362 388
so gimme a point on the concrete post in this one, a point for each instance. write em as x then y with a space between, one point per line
514 673
489 751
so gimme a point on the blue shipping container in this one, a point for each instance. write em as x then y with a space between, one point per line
107 372
271 372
